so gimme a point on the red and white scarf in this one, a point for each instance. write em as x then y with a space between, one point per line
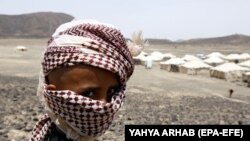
91 43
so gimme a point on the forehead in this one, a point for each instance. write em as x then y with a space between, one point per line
82 73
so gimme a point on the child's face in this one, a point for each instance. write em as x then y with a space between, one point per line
85 80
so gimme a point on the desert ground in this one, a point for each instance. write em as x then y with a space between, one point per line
154 96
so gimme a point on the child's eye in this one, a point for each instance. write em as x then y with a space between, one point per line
112 91
88 93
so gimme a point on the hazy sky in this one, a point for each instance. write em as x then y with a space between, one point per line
170 19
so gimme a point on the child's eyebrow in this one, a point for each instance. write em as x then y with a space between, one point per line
88 87
94 87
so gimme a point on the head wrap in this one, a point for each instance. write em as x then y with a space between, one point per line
92 43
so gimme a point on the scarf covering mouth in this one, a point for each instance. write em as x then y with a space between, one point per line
86 116
87 42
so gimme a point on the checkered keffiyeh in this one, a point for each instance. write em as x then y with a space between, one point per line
91 43
94 44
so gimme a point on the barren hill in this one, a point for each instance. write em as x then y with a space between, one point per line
33 25
159 41
235 39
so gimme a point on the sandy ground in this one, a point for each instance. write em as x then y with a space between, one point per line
154 96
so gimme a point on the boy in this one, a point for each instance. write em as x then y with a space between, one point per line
84 73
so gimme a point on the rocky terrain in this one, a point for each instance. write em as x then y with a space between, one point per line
20 108
154 96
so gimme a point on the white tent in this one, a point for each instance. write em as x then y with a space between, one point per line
214 61
167 56
156 56
201 56
174 61
172 64
141 55
228 71
146 58
190 58
234 58
216 54
245 64
21 48
245 56
195 67
147 61
138 59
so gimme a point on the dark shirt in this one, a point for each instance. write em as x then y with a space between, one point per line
56 135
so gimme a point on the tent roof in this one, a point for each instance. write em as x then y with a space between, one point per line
245 64
190 58
245 55
214 59
234 57
196 64
227 67
141 55
174 61
216 54
169 55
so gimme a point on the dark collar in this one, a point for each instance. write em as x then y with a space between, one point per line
56 134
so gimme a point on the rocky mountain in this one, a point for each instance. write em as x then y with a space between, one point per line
43 24
32 25
159 41
235 39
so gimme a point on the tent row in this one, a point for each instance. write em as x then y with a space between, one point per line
213 59
228 70
230 67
